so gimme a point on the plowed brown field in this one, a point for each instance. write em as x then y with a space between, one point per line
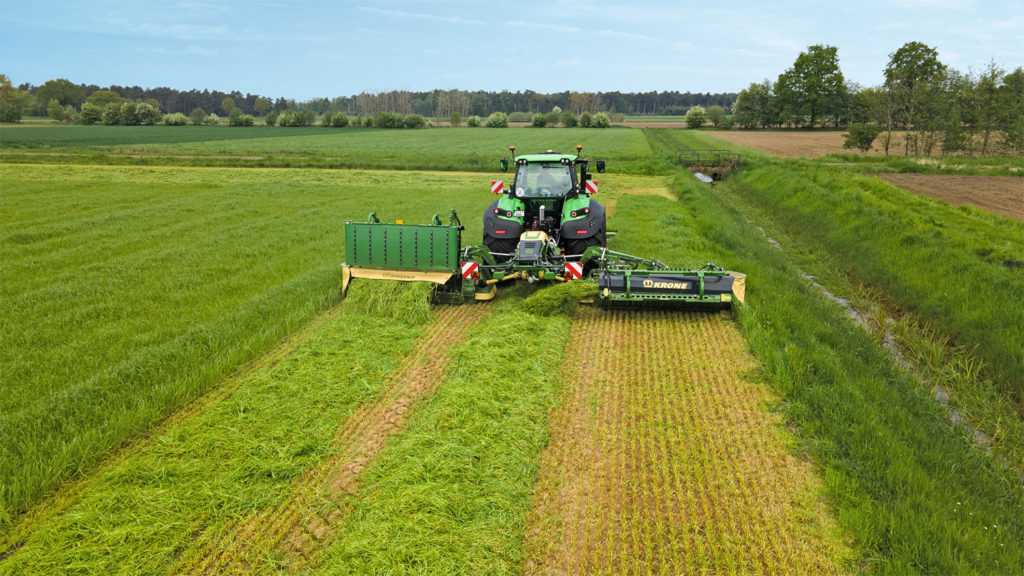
289 535
1003 195
664 459
810 144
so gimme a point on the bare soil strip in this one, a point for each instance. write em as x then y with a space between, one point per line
664 460
289 534
1003 195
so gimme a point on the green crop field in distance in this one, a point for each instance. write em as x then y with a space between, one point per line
476 149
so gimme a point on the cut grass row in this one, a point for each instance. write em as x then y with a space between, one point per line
450 494
239 456
664 458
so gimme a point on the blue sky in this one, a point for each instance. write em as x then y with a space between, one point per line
303 50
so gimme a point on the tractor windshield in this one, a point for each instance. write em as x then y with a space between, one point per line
547 179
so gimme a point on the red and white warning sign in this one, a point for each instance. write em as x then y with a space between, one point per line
574 270
496 186
468 269
591 186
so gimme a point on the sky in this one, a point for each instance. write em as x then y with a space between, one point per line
306 50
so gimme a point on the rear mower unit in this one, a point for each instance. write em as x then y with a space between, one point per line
546 228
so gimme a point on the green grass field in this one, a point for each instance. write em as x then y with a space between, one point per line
185 392
475 149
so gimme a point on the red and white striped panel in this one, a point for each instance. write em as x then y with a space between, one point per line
574 270
468 268
496 186
591 186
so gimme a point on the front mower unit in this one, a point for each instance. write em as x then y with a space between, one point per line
406 252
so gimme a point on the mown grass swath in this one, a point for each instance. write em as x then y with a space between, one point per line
128 291
235 457
451 494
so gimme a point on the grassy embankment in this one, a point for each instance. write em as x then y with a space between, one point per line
912 488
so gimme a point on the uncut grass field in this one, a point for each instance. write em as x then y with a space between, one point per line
185 391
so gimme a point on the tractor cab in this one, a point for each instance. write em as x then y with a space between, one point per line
542 187
547 195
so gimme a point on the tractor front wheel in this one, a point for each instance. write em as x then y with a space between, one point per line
580 246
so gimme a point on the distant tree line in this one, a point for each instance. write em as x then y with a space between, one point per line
27 99
938 108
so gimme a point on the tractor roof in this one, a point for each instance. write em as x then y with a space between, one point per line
546 157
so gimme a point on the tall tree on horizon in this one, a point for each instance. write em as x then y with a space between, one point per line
813 87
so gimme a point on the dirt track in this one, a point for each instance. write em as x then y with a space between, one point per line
663 459
1003 195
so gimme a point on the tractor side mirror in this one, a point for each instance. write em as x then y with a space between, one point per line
504 164
600 166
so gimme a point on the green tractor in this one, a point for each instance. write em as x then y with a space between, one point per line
545 228
546 196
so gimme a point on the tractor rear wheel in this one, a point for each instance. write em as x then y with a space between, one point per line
500 245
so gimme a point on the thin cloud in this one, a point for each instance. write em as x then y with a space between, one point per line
187 51
420 16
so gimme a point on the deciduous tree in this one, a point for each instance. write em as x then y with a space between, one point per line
103 97
860 136
696 116
62 90
813 87
755 106
915 78
716 114
12 101
261 105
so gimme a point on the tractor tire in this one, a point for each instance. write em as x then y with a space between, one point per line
580 246
500 245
